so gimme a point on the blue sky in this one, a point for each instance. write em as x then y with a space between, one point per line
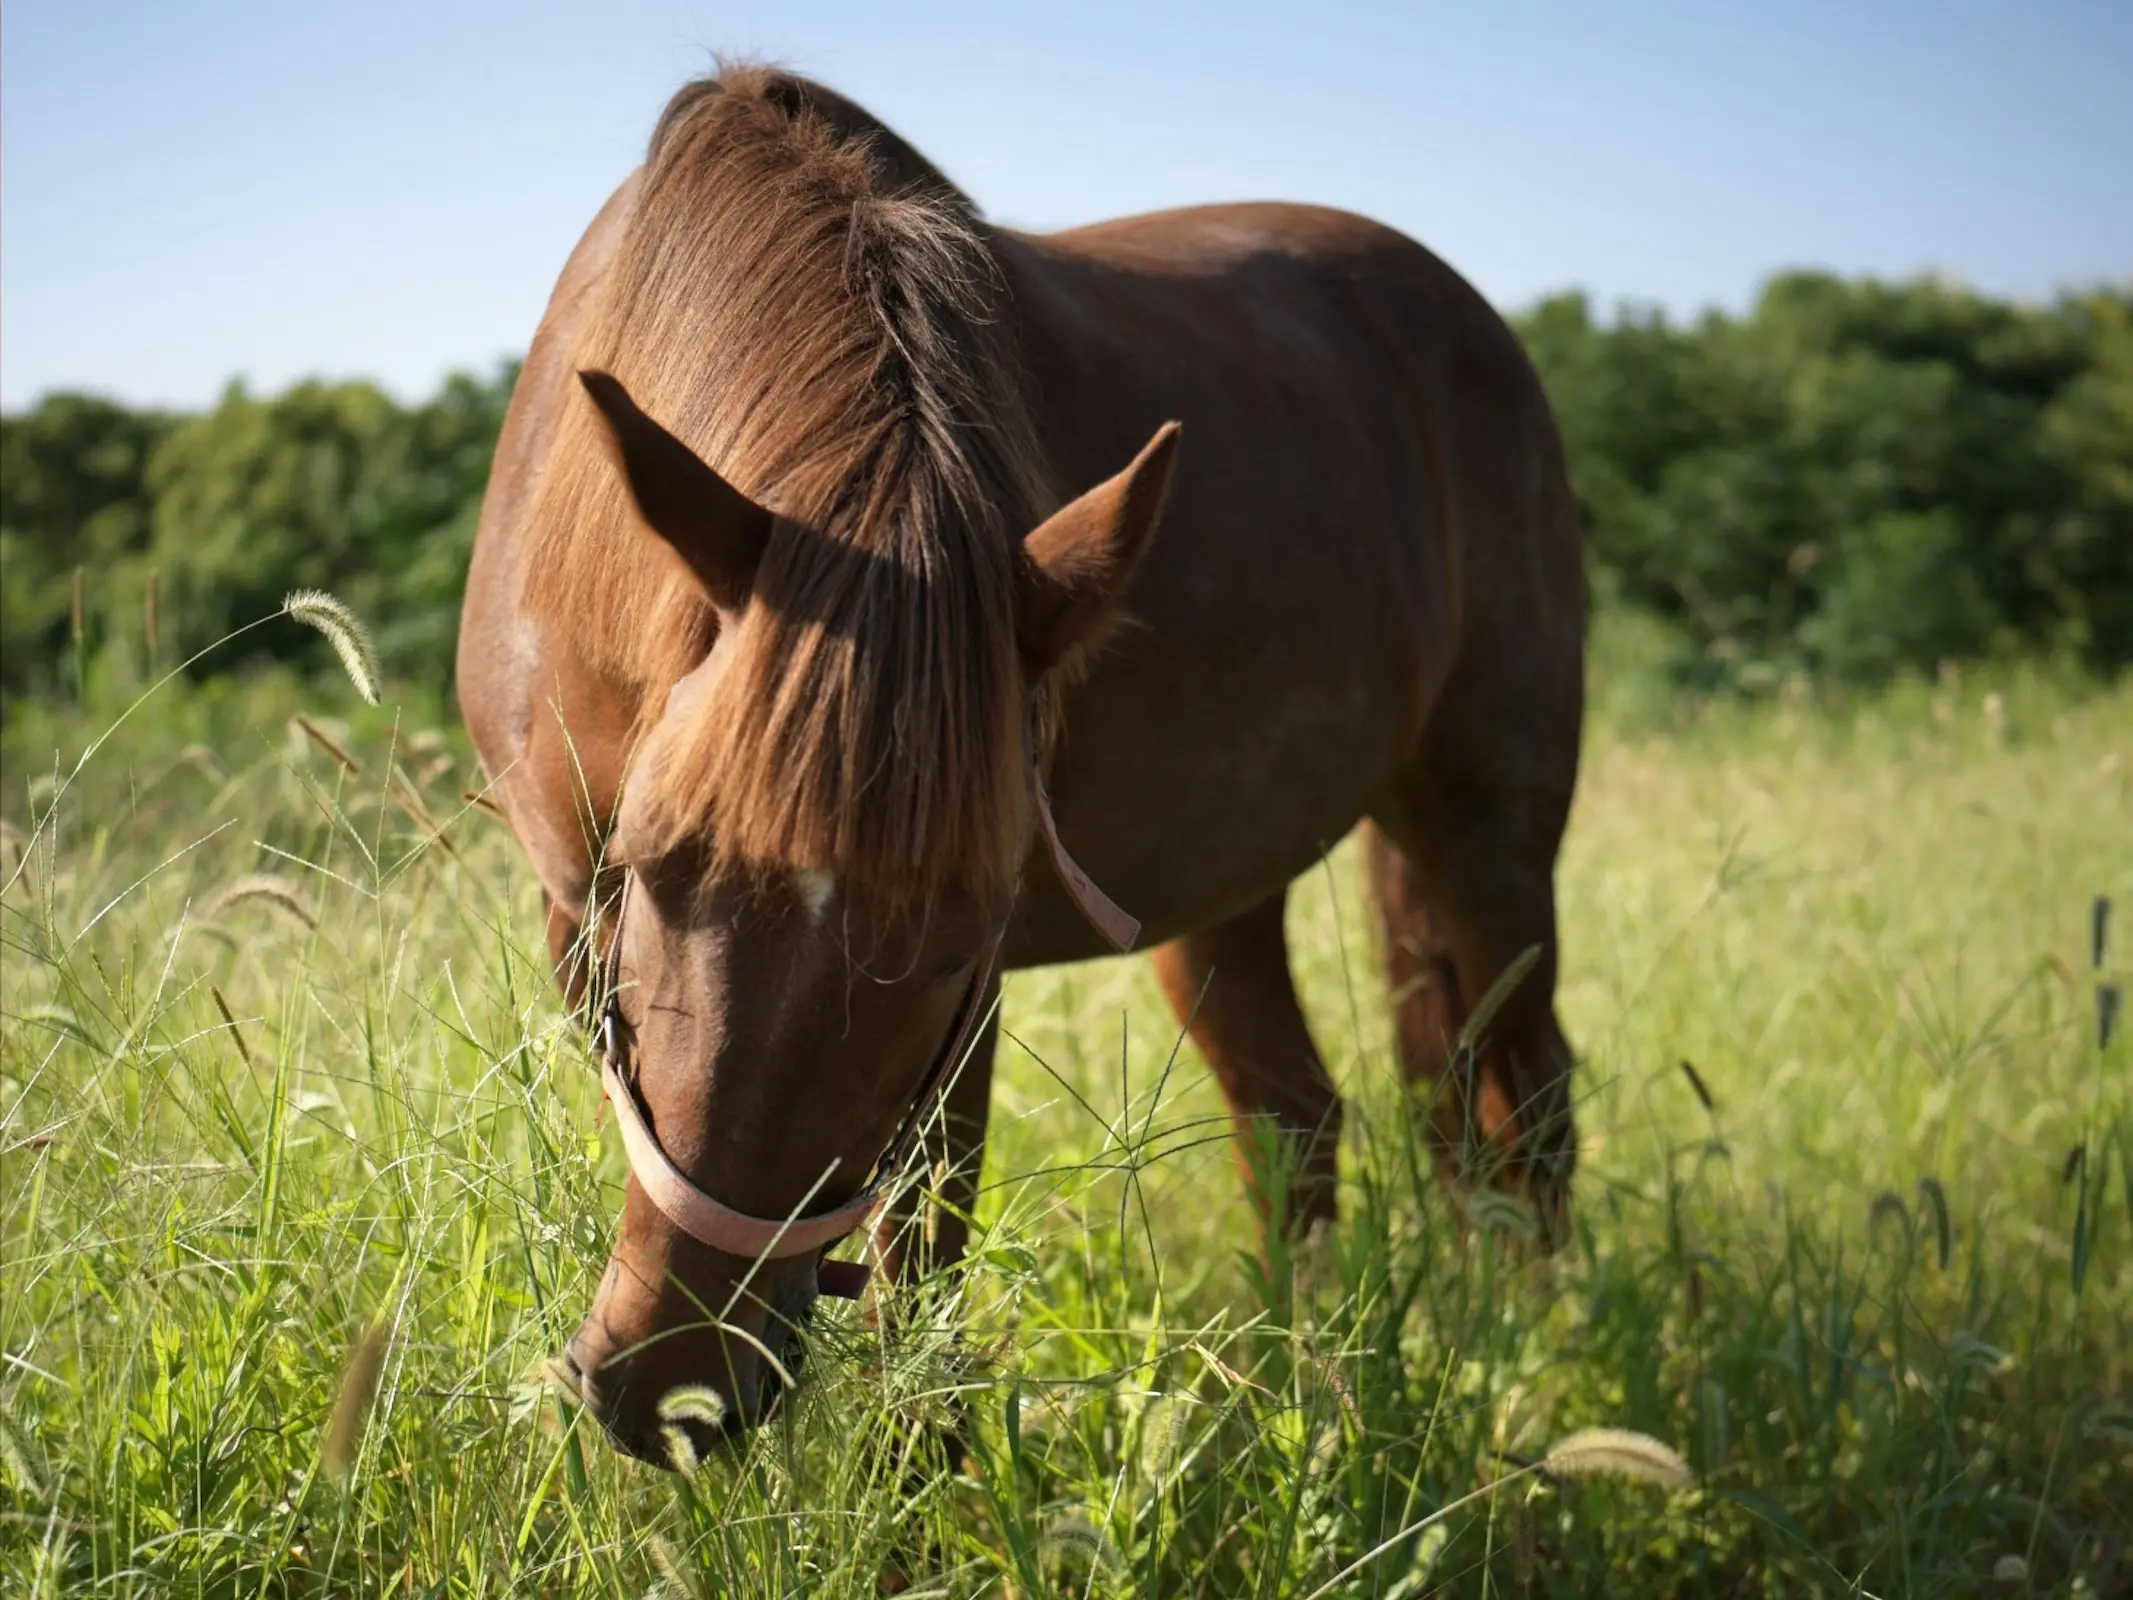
192 191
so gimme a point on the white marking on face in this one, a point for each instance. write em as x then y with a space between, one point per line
815 887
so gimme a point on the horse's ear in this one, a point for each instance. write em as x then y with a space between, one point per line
1078 560
712 526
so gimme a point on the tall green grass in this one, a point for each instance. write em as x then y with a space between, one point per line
302 1184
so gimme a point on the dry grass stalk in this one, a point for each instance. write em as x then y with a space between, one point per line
1615 1453
1703 1092
1493 1209
1072 1533
230 1022
434 752
266 886
675 1579
689 1402
1525 1542
351 1406
409 799
326 742
1934 1198
344 630
1887 1204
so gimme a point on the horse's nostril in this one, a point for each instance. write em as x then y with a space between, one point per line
571 1367
564 1372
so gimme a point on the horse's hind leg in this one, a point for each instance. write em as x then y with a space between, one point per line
1428 1007
1464 872
1230 986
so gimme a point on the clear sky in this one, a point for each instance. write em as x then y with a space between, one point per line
192 190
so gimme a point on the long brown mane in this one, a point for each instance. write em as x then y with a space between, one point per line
809 307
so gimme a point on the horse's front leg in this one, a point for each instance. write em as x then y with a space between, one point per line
1230 987
951 1150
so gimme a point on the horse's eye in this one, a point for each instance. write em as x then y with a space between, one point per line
954 964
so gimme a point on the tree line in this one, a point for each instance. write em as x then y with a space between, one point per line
1854 479
1858 477
152 535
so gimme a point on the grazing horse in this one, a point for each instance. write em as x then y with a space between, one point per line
865 591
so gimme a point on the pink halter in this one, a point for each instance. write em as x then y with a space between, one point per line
775 1239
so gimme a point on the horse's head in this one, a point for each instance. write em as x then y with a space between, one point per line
824 830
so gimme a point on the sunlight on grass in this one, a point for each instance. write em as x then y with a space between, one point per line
302 1186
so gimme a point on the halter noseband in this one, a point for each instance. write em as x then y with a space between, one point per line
736 1233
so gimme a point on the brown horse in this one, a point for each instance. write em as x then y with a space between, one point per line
792 524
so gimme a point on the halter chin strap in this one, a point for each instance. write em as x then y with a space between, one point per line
736 1233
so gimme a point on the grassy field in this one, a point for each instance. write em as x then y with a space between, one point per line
282 1078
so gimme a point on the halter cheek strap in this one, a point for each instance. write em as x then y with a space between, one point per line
736 1233
763 1238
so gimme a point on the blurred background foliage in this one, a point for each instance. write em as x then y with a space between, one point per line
1856 480
328 486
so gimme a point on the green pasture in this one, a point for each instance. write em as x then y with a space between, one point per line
300 1183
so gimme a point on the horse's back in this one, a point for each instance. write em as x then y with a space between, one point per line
1369 509
1337 372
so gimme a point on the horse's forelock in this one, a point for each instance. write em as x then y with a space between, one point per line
815 323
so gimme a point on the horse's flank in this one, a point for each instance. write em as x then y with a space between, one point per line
819 328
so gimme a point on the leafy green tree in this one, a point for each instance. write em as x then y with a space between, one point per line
73 492
2086 433
1859 477
333 487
